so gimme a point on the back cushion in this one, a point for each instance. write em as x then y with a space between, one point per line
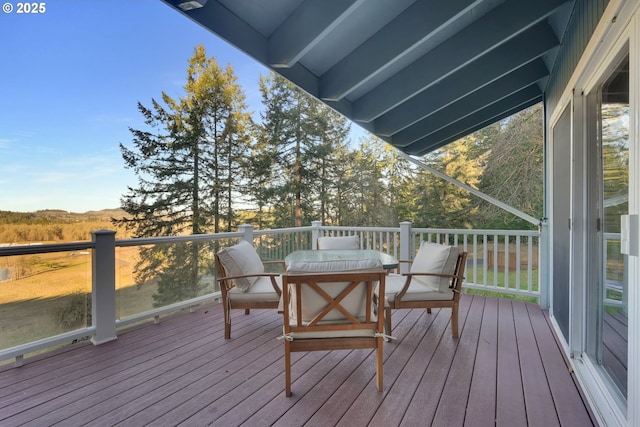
435 258
344 242
239 260
313 303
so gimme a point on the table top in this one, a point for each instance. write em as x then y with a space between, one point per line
388 261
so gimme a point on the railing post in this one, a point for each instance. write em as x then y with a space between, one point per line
315 233
103 295
405 245
247 230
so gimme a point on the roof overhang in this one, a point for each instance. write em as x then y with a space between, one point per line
417 73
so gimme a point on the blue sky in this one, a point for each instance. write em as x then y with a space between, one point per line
70 80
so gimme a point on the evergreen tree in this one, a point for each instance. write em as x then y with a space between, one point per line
337 186
438 203
258 172
369 187
329 156
514 171
298 134
185 162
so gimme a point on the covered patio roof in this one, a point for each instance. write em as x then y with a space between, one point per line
419 74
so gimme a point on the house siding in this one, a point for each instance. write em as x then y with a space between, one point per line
584 19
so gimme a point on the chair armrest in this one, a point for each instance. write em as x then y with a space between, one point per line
227 281
432 274
450 276
409 276
248 275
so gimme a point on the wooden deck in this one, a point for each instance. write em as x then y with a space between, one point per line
505 369
614 351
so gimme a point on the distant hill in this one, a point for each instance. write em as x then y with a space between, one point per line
58 216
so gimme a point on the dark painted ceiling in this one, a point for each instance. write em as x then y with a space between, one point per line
418 73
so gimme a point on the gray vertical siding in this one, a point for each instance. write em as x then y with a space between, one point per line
584 19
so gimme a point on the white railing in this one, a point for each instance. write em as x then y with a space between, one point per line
504 261
488 267
615 280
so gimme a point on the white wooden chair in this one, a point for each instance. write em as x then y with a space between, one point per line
333 311
244 284
434 281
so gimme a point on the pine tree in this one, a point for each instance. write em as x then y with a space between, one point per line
298 134
185 162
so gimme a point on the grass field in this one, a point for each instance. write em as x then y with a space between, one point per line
30 306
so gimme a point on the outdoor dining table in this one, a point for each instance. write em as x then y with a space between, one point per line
389 262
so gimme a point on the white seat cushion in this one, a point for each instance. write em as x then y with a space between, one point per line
337 265
417 291
435 258
342 242
260 290
239 260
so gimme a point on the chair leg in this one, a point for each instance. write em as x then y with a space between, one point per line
227 321
379 363
454 320
227 331
387 320
246 311
287 369
429 310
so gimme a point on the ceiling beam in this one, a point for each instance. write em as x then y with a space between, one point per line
305 27
483 125
391 43
479 120
496 64
492 30
493 92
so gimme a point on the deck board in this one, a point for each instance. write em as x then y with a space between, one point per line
482 392
565 394
424 404
510 400
506 368
534 379
456 388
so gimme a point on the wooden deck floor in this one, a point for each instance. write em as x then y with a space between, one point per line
505 369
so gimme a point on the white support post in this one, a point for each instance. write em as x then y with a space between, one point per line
247 230
315 233
405 245
103 295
